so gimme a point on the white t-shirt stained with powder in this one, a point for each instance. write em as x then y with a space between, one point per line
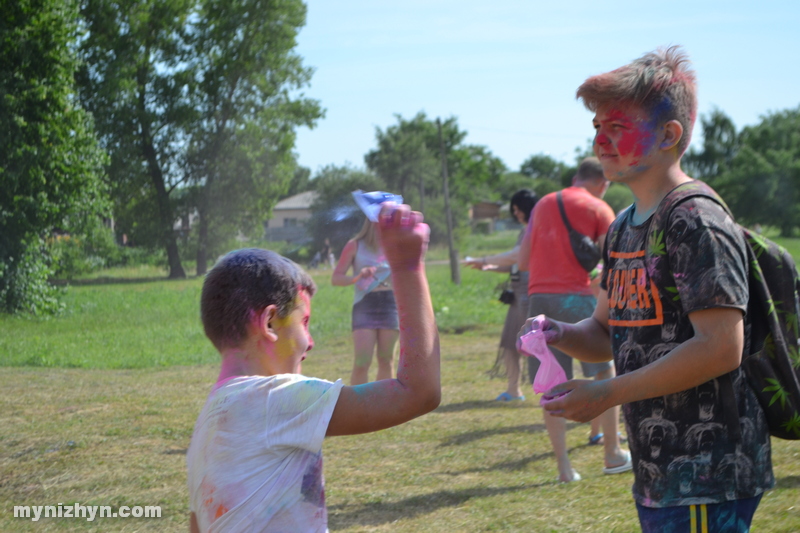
255 460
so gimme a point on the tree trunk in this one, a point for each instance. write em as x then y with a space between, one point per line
421 192
455 272
202 241
165 214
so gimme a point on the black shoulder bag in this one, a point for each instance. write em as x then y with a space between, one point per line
586 251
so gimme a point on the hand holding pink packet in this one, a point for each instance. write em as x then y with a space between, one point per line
550 372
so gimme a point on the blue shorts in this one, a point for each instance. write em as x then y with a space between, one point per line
733 516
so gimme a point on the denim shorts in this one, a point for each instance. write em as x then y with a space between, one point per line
377 310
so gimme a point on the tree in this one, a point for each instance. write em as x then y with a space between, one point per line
542 166
404 159
408 154
135 81
50 162
241 158
196 95
720 145
762 182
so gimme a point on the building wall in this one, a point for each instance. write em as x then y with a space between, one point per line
282 217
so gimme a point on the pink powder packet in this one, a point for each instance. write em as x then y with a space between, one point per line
550 372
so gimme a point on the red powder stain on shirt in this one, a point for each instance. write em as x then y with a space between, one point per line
221 510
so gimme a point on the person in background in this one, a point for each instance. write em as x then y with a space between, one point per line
326 254
521 205
560 287
374 318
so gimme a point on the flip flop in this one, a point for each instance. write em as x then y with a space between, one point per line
506 397
626 466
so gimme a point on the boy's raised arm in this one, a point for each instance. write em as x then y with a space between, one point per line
417 389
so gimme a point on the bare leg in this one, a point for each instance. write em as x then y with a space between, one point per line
557 431
364 341
595 427
387 341
513 362
609 420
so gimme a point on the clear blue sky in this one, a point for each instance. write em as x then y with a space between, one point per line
508 69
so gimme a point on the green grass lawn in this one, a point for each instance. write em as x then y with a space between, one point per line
98 407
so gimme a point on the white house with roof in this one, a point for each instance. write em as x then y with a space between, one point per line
289 217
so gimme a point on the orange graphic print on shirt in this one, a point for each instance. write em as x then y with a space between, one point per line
630 289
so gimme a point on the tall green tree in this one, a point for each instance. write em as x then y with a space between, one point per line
407 158
241 144
762 182
136 81
403 158
720 145
50 162
542 166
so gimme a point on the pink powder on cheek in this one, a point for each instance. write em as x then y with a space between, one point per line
635 142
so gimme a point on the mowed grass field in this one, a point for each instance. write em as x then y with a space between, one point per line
97 407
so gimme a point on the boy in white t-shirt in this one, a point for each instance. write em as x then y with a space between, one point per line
255 460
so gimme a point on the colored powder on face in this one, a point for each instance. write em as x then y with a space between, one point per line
636 140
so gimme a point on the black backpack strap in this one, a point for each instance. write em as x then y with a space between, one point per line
656 238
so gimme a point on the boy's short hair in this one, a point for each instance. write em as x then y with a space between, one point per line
590 169
660 82
243 283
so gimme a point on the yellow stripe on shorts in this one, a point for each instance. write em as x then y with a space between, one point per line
703 518
693 519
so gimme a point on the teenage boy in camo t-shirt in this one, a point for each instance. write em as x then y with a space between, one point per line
671 314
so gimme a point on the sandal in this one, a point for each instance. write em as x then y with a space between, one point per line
624 467
506 397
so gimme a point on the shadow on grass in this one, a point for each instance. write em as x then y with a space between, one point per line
787 482
512 466
107 280
482 404
469 436
376 514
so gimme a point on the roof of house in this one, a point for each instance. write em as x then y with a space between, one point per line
298 201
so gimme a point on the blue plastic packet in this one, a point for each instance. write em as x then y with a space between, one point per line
370 202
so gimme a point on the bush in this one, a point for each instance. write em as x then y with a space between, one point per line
618 197
24 286
70 258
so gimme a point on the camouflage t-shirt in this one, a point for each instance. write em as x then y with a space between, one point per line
682 454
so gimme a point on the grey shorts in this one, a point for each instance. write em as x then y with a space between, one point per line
568 308
377 310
